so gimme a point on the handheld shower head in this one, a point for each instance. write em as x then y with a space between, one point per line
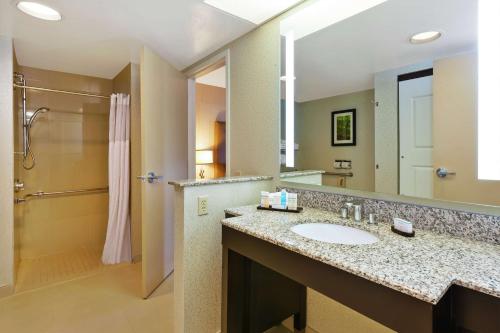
36 113
29 152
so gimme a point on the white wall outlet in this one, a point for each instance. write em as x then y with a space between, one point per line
203 205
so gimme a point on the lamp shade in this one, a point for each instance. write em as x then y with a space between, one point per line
204 157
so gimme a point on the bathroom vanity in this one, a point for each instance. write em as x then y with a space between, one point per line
429 283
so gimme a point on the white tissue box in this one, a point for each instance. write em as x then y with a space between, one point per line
403 225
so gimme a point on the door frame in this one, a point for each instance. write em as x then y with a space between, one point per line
206 66
406 77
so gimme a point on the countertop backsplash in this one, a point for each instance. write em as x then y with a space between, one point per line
480 227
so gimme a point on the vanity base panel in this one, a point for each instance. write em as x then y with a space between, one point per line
460 309
259 298
474 312
389 307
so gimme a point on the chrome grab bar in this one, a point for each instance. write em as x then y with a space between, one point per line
42 194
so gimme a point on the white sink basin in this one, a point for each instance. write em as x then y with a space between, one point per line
333 233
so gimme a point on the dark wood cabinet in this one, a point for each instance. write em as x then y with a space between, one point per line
471 311
266 297
265 283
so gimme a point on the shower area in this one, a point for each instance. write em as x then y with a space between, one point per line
61 137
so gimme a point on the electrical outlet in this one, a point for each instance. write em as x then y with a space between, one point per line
202 205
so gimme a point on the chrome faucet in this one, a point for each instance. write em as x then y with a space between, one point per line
348 205
358 212
354 211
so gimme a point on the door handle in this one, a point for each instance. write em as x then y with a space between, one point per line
150 178
443 172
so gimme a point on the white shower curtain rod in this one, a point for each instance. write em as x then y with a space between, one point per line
60 91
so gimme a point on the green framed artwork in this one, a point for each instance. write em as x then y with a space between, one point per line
344 128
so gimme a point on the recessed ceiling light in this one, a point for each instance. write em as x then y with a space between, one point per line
38 10
425 37
255 11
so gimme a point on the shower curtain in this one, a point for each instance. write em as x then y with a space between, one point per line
117 247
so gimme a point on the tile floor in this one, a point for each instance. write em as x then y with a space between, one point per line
287 327
47 270
107 302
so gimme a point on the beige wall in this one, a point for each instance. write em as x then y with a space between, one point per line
386 127
122 80
210 105
314 138
325 315
254 118
254 92
127 81
198 252
255 102
455 147
70 144
6 166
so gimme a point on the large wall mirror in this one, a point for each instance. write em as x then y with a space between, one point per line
383 96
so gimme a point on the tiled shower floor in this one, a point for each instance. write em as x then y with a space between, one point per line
43 271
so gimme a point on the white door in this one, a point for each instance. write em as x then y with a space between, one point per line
416 172
164 152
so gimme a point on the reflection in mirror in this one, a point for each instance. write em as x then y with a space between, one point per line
385 100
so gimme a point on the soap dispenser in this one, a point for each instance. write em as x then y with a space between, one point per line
284 201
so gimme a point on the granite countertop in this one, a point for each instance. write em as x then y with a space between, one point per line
224 180
424 266
289 174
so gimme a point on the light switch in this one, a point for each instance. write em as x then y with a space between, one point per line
202 205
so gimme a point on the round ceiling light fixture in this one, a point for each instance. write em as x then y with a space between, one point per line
38 10
425 37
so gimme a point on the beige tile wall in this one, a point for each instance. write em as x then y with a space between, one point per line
70 144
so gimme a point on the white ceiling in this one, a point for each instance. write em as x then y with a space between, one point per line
256 11
99 38
344 57
215 78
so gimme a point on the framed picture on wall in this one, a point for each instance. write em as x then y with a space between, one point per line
344 128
